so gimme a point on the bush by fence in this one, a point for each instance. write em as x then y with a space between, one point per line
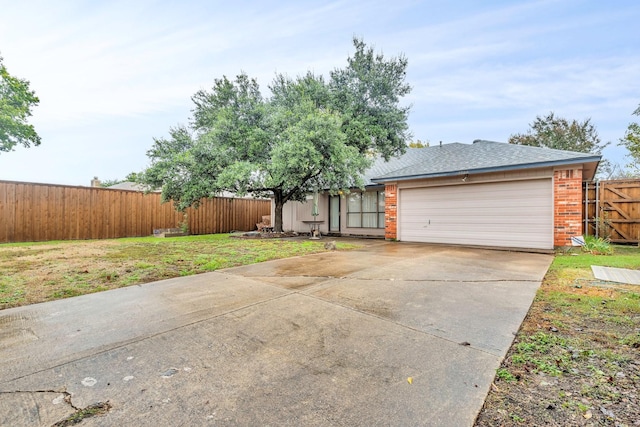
38 212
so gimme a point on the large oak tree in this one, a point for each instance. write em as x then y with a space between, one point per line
308 135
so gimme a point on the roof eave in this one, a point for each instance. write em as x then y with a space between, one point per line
581 160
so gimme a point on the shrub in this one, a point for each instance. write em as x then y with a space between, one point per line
597 246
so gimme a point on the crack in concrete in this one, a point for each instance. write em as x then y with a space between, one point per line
64 392
400 324
306 292
392 279
440 280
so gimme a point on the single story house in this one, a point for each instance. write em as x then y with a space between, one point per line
482 194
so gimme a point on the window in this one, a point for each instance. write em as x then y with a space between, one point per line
365 210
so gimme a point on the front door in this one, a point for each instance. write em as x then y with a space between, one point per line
334 214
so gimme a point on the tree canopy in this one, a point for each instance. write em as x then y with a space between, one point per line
558 133
309 135
16 101
631 141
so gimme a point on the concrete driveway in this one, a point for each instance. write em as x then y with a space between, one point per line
327 339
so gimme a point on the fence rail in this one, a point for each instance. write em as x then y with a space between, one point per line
611 209
40 212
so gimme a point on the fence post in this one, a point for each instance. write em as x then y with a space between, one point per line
586 208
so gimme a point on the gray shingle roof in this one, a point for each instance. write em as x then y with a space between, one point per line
381 167
479 157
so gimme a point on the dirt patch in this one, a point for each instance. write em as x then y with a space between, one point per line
273 235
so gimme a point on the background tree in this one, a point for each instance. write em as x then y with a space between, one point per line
612 171
560 134
418 144
309 135
631 141
16 101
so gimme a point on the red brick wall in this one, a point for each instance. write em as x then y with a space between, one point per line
567 206
391 211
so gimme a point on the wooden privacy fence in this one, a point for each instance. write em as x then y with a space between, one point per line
611 209
39 212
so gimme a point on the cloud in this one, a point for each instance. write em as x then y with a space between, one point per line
97 60
111 75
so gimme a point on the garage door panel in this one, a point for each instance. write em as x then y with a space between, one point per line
474 236
480 206
505 211
486 220
482 230
508 214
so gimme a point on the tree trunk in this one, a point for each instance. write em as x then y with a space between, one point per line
277 221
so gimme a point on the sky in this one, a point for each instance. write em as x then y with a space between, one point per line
112 76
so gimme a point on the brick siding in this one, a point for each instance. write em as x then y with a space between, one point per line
567 206
391 212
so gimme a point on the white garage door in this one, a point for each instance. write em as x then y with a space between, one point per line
517 214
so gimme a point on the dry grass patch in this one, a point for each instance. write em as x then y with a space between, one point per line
38 272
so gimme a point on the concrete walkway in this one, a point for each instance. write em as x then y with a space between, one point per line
327 339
